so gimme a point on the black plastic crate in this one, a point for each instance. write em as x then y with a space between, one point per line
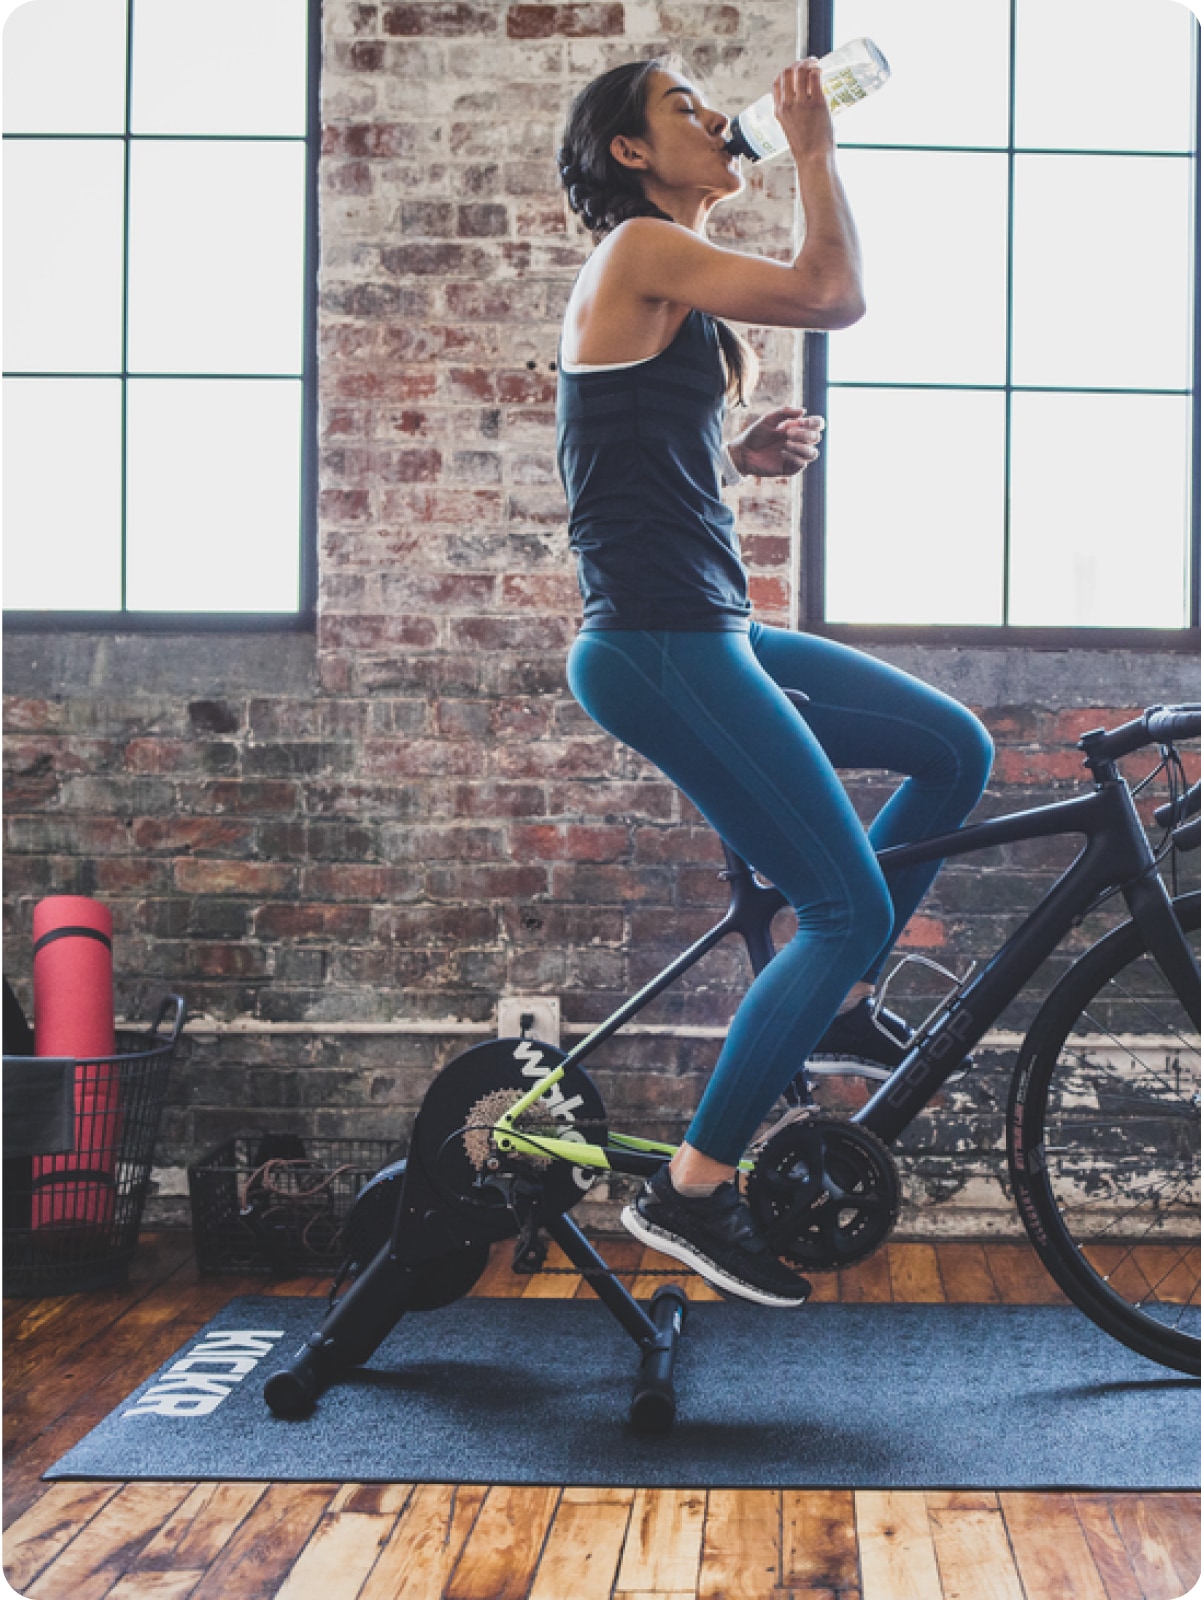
277 1203
74 1225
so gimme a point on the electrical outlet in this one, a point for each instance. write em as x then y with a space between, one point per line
539 1013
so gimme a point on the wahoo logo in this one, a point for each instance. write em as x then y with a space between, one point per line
556 1102
196 1385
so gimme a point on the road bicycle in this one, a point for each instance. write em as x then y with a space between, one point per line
1103 1122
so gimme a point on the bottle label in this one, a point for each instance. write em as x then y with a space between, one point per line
843 89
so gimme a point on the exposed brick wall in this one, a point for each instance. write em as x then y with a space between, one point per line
407 816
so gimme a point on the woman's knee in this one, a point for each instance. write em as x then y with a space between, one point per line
976 751
858 919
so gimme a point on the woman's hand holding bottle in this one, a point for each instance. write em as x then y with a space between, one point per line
802 109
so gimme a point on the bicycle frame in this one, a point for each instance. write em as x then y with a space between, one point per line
1116 855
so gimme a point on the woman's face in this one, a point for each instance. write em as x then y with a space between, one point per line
684 147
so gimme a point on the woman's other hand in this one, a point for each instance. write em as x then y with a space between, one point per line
802 109
779 445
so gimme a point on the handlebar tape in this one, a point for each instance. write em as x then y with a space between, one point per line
1170 723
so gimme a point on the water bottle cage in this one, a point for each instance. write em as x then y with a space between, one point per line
957 986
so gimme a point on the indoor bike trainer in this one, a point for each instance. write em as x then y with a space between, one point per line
513 1132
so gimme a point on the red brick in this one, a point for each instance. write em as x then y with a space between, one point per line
390 384
541 591
574 758
716 21
345 505
441 259
923 933
445 591
247 797
344 880
439 18
769 594
24 715
124 875
419 758
366 57
376 633
188 835
677 844
290 921
499 800
1066 727
1037 766
226 960
474 883
510 633
347 177
525 386
198 876
598 844
599 19
437 925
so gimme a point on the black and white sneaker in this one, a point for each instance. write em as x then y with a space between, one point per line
879 1040
716 1236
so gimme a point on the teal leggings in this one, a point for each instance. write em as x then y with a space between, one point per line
709 711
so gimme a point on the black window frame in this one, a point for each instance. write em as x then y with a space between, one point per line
815 389
304 618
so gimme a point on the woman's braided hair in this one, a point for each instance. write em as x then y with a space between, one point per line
603 193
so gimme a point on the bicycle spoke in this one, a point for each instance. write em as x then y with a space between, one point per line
1130 1248
1128 1050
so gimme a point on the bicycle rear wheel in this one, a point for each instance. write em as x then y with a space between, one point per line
1104 1137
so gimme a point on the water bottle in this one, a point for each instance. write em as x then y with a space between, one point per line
849 73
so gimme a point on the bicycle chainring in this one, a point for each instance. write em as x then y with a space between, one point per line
824 1192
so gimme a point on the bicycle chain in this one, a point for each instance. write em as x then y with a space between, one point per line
553 1129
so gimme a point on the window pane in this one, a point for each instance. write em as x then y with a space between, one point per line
1100 510
63 207
950 74
64 67
915 490
1097 75
214 495
1102 271
933 232
227 66
62 494
216 257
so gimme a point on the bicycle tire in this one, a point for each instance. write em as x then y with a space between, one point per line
1112 1066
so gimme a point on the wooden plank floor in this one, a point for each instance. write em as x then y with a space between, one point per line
69 1360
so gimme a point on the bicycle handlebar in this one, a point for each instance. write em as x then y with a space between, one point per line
1166 724
1157 725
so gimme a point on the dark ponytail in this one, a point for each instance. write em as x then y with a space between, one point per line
603 193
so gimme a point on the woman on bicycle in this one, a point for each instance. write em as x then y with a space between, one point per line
669 658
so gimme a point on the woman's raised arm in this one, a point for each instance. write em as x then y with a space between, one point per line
823 288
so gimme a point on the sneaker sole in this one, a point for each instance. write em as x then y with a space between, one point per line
669 1245
876 1069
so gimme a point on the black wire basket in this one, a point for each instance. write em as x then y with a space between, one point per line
277 1203
71 1221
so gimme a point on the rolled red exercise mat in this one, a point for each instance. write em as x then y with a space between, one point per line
73 1016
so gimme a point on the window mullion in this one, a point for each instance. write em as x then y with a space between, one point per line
125 308
1194 612
1007 443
